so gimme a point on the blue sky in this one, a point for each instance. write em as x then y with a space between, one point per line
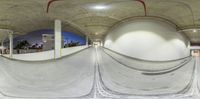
36 37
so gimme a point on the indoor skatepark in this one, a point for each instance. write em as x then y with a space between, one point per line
103 76
99 49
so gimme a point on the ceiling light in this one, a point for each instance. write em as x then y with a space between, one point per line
194 30
99 7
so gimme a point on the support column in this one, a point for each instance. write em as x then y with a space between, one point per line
57 39
101 43
86 40
2 47
1 50
11 43
189 44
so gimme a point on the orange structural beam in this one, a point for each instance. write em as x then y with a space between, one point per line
141 1
144 5
49 4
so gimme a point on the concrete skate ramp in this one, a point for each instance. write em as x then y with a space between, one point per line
145 65
71 76
124 77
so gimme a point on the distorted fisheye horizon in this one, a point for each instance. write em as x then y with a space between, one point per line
99 49
35 37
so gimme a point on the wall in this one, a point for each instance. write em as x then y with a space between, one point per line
147 39
46 55
70 50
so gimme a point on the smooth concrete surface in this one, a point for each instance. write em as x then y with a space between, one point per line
121 79
96 73
70 50
147 39
71 76
46 55
142 65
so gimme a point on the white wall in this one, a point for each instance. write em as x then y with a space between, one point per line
70 50
46 55
194 47
147 39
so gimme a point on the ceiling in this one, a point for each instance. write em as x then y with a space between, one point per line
95 17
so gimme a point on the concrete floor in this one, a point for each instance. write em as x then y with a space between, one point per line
99 73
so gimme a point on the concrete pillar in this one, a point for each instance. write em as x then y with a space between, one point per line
101 43
0 52
86 38
57 39
2 47
189 44
11 43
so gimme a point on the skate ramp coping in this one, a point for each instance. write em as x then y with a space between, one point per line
46 55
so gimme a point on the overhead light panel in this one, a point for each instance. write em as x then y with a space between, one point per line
194 30
99 7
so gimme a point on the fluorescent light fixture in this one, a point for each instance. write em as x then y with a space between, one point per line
194 30
99 7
